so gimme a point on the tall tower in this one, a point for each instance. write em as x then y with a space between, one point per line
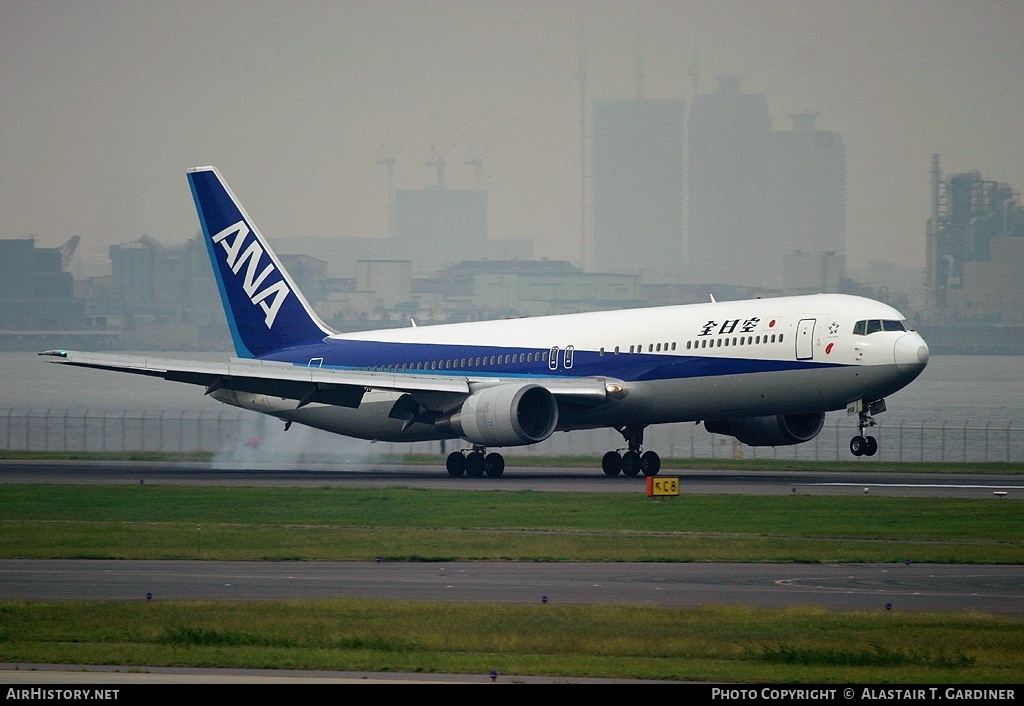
728 144
638 186
806 214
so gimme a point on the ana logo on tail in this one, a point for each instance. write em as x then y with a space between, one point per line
250 257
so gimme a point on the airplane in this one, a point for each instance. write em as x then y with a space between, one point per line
764 371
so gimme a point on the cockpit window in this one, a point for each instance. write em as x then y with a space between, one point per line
864 328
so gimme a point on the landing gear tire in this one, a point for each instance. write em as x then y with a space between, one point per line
631 464
857 445
863 446
650 463
476 465
611 463
456 464
870 446
494 465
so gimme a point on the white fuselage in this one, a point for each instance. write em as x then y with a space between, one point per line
718 360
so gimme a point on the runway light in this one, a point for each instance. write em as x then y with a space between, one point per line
544 600
149 596
141 481
1000 493
494 675
794 490
888 606
866 491
380 559
907 561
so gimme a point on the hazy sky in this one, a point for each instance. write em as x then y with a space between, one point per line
104 104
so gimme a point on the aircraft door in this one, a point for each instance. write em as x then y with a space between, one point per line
805 339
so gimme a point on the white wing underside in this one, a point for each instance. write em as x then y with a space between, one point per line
322 385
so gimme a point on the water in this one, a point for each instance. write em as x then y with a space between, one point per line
961 408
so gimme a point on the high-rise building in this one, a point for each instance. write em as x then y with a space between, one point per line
638 186
436 226
806 211
758 197
727 177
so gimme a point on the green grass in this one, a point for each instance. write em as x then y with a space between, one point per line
255 523
613 641
732 644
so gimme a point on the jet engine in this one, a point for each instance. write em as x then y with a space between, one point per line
778 430
504 415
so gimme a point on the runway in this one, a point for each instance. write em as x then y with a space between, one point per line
844 587
553 479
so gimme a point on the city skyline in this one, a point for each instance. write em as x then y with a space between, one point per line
106 104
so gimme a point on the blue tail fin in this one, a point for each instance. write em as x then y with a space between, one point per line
264 308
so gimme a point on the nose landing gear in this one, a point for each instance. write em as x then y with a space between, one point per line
862 445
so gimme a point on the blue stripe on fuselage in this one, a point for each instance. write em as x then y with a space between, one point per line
629 367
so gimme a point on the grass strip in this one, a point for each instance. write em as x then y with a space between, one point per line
736 644
211 522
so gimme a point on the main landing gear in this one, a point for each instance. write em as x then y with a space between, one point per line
631 463
475 464
862 445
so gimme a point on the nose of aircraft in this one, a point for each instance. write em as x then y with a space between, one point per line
911 353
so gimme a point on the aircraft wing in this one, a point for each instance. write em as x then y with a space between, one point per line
344 388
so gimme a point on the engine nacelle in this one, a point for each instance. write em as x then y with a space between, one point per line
779 430
505 415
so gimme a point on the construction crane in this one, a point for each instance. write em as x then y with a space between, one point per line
67 252
437 159
387 159
476 159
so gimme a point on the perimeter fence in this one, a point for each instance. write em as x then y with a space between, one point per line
242 436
